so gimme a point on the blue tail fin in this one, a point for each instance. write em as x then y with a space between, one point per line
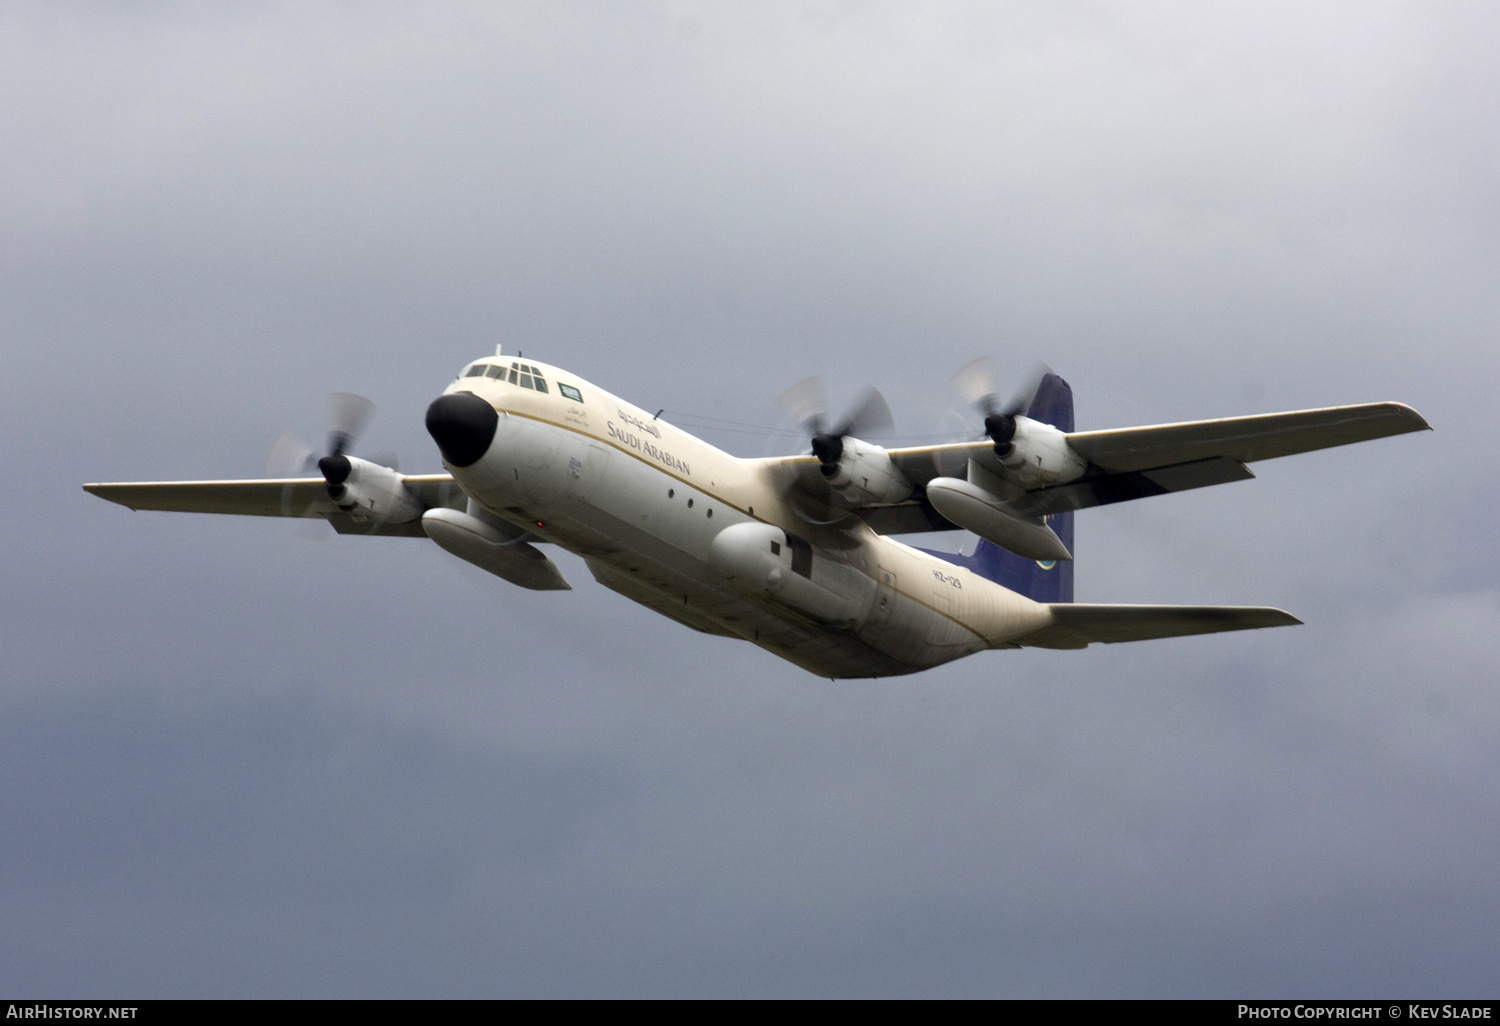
1041 582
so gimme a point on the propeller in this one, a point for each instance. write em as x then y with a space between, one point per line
811 497
350 415
975 384
870 414
290 456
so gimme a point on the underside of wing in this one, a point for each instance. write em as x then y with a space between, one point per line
290 497
287 497
1077 625
1101 488
922 465
1096 488
799 481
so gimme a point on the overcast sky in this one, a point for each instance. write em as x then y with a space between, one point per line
239 761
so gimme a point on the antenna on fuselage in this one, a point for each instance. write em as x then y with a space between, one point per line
499 350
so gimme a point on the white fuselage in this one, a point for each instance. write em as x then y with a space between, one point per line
647 507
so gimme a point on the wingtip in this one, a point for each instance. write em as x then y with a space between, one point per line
1286 619
101 489
1418 422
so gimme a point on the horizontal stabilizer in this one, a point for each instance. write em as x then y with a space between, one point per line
1077 625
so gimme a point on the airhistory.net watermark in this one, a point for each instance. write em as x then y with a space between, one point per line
42 1010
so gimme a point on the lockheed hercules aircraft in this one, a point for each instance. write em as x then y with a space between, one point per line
795 554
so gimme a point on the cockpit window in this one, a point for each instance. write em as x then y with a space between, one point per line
475 371
527 376
495 371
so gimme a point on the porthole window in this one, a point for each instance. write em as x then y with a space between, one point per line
671 492
710 512
690 504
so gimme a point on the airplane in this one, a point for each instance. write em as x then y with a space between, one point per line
796 554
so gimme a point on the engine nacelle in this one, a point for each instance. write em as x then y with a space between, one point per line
1039 455
368 492
866 474
764 562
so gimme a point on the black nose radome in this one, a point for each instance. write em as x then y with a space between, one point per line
463 426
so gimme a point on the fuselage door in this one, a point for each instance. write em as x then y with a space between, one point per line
585 470
885 603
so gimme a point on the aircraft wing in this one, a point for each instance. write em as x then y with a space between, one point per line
1133 463
272 497
1077 625
1245 439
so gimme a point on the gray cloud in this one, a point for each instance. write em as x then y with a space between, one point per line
240 762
